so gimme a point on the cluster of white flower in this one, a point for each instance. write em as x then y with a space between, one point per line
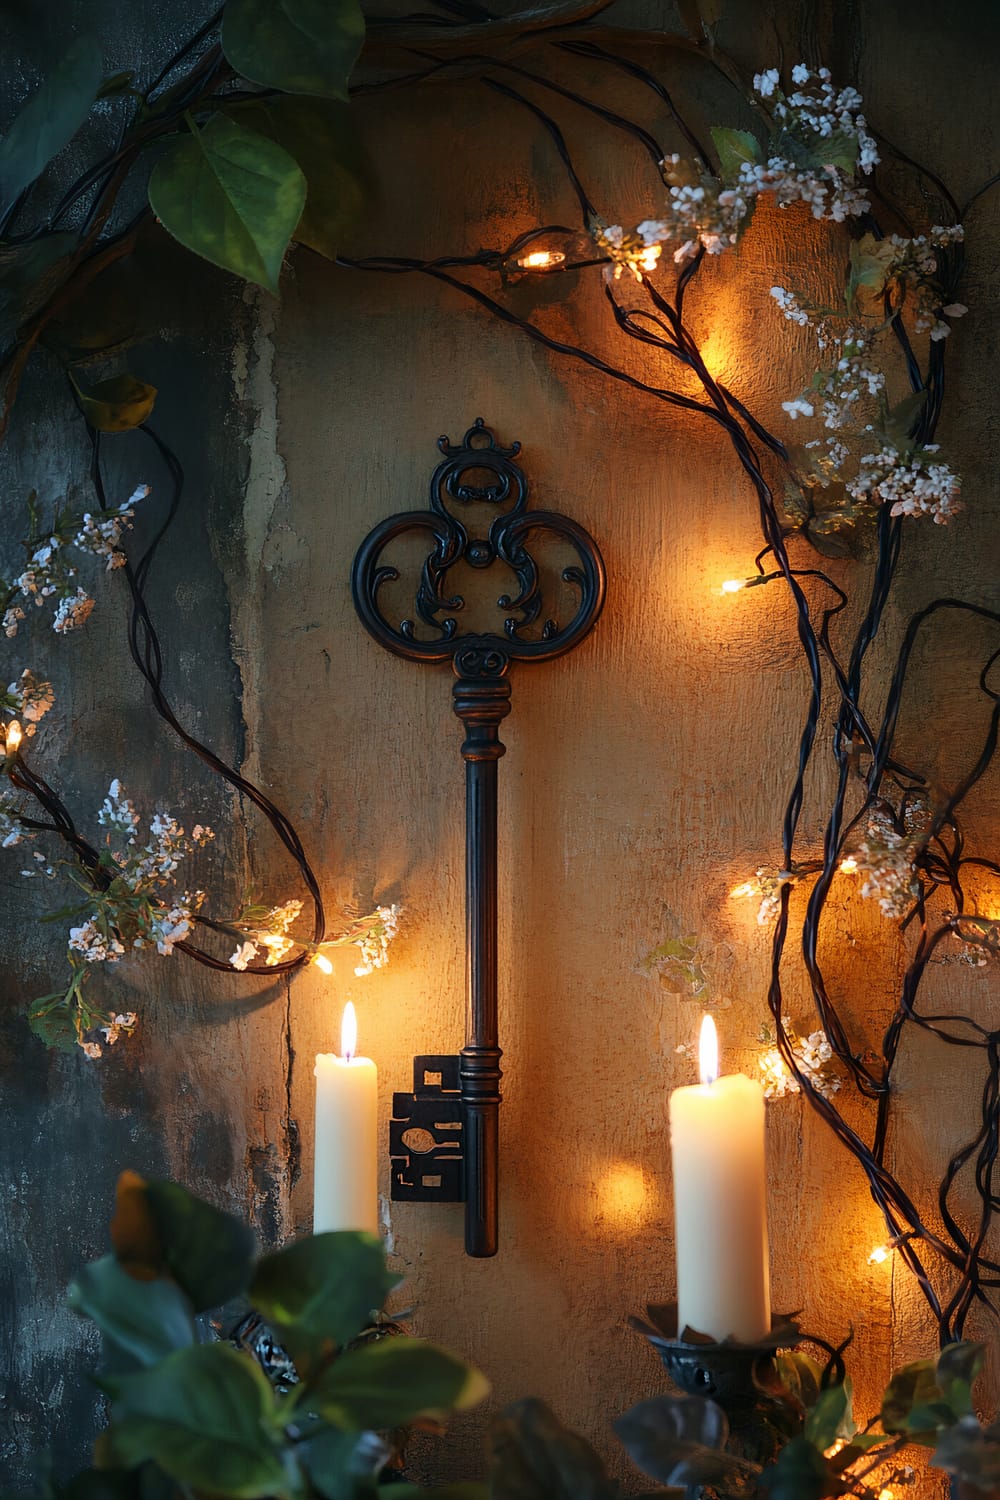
911 264
886 857
49 573
269 934
816 111
814 1059
820 143
909 484
374 942
843 388
94 944
117 813
29 699
765 887
115 1027
133 911
701 213
72 612
102 533
626 251
169 926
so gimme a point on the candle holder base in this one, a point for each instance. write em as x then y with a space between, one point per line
738 1377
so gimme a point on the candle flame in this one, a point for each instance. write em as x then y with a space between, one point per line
12 737
348 1033
322 962
708 1051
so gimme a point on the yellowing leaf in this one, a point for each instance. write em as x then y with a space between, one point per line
117 405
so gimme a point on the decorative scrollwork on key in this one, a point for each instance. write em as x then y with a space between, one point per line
463 1163
436 606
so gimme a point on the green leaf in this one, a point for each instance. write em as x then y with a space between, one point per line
50 118
913 1403
118 404
50 1017
469 1491
734 148
536 1458
205 1415
679 1440
837 150
209 1253
902 420
299 46
393 1382
957 1368
318 1294
800 1472
320 134
142 1321
830 1418
339 1463
232 196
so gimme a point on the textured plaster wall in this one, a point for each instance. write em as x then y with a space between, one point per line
645 774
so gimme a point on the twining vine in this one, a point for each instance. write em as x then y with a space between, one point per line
850 489
864 472
211 146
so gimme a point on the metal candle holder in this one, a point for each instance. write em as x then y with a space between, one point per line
732 1374
455 1100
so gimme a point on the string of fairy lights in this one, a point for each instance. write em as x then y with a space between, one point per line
950 1261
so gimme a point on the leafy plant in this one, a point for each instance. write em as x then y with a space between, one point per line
190 1415
823 1452
246 138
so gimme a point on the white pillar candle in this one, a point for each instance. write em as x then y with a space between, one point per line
720 1202
345 1175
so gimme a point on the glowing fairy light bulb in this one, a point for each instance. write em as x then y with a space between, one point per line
13 737
886 1494
540 260
733 585
835 1448
649 257
879 1255
323 963
746 889
849 866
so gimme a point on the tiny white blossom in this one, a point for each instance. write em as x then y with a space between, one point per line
72 612
797 408
243 955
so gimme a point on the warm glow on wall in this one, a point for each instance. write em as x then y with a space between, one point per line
623 1198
